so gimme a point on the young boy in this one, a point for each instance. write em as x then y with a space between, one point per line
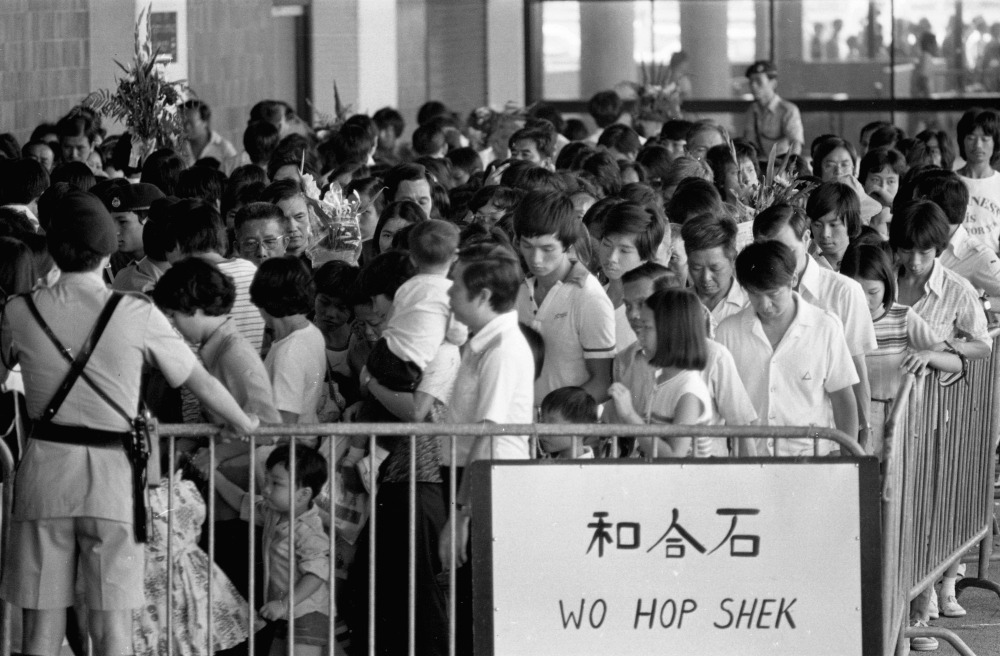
420 320
284 293
129 206
562 300
568 405
309 584
157 241
791 355
334 316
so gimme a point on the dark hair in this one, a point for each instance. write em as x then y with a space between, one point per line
282 287
694 197
544 139
605 170
946 189
642 193
765 265
433 242
704 233
537 345
676 130
840 199
827 146
625 165
771 220
620 137
35 143
260 138
71 257
77 124
871 127
404 209
885 136
196 225
24 181
647 224
163 169
384 275
14 223
269 111
201 182
17 268
259 211
281 190
985 119
157 238
204 111
389 117
651 271
684 167
351 143
572 153
77 174
431 110
876 160
919 225
657 160
532 178
680 329
870 263
428 139
944 145
310 466
401 173
466 159
575 130
493 267
335 279
43 130
542 213
573 403
606 107
194 284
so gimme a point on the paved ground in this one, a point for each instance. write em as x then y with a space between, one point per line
980 629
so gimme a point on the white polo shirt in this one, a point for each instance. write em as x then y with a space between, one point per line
734 301
973 260
494 383
790 385
577 323
844 298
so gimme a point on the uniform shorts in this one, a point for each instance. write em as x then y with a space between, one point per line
47 558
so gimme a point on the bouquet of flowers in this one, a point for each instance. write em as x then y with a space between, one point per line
326 124
335 223
657 96
144 100
777 187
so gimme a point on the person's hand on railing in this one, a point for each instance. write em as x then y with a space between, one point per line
622 398
201 461
351 413
241 432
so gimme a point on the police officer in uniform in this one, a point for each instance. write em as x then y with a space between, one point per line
75 492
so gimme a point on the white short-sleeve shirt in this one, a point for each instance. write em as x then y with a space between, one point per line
844 298
296 365
577 322
495 384
790 385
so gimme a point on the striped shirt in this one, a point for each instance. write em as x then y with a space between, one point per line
898 331
951 307
247 316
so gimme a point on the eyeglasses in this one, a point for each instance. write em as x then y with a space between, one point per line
269 244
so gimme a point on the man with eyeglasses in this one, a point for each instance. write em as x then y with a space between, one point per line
771 120
261 232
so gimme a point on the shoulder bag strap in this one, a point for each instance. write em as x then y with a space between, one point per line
78 364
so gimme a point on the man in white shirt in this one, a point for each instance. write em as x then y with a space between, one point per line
791 355
827 290
494 385
202 141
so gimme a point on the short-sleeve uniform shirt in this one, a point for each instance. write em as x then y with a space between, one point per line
577 322
844 299
790 384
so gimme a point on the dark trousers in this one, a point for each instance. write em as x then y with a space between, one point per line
392 574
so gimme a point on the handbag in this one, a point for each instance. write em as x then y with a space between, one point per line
136 441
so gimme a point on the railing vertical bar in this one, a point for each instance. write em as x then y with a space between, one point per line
292 466
452 580
252 530
411 583
172 455
331 606
371 546
211 541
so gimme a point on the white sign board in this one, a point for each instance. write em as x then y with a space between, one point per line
717 557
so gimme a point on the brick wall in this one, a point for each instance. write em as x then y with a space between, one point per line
44 61
229 65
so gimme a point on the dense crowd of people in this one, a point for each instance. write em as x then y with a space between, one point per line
513 267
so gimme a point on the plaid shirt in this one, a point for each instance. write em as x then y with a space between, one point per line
951 307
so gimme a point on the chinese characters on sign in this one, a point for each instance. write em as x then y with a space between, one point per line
626 535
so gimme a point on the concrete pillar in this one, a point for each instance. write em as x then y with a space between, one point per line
607 45
504 64
703 38
354 44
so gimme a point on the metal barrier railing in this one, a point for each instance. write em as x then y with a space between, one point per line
335 432
938 489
